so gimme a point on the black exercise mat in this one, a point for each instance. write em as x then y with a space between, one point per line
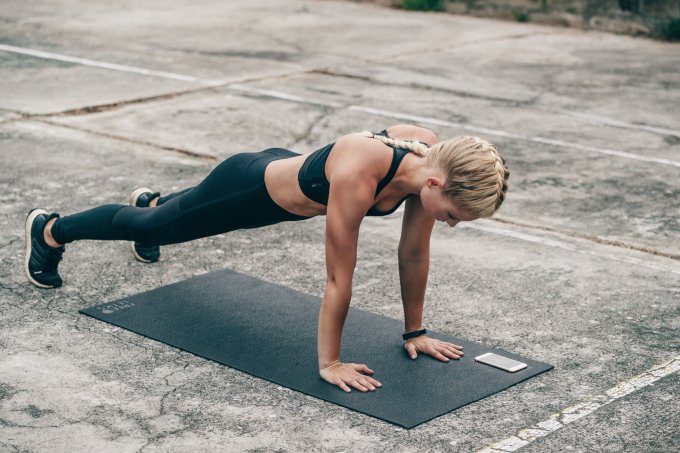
269 331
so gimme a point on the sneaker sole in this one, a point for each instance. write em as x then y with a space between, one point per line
133 202
136 255
29 245
136 193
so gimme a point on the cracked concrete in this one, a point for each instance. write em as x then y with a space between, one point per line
580 269
596 188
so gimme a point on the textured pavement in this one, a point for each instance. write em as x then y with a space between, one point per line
580 268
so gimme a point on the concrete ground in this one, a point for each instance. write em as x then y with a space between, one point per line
580 268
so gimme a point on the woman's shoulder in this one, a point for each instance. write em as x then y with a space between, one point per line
359 155
364 155
403 132
412 132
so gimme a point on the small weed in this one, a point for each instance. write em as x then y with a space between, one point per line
423 5
671 31
520 16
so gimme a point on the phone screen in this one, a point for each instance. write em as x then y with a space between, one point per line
498 361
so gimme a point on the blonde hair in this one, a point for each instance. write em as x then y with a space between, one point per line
476 173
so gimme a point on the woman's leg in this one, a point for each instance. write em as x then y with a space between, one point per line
94 218
232 196
144 197
163 199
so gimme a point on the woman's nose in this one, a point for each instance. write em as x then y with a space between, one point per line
452 223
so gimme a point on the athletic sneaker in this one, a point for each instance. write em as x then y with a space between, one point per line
141 197
41 261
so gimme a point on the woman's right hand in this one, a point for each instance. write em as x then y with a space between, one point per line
341 374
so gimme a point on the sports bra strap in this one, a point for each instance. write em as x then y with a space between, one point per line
394 165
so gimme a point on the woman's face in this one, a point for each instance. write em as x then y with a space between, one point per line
439 206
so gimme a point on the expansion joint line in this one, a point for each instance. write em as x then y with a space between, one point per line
589 237
570 414
184 151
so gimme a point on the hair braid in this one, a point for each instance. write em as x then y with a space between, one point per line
502 175
417 148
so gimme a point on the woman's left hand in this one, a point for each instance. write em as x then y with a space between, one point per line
436 348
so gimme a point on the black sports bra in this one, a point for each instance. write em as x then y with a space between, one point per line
315 185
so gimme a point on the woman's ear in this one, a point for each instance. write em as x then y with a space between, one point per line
434 181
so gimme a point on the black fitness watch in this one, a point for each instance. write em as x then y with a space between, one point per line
417 333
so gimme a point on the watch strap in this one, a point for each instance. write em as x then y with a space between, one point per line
416 333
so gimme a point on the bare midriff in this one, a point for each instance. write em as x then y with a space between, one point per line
280 178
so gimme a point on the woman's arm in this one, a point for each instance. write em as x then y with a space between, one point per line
351 195
353 183
414 261
413 278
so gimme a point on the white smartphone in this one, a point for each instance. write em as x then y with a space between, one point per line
504 363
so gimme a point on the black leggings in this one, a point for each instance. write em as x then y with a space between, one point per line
231 197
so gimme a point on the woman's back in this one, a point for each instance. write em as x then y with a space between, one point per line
300 184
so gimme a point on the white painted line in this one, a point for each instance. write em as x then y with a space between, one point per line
621 124
499 133
570 246
610 152
358 108
570 414
104 65
434 121
284 96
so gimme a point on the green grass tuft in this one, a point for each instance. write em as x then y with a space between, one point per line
520 16
423 5
671 31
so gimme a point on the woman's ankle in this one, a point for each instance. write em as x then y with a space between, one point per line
47 235
154 202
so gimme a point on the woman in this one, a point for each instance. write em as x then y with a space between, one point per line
460 179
